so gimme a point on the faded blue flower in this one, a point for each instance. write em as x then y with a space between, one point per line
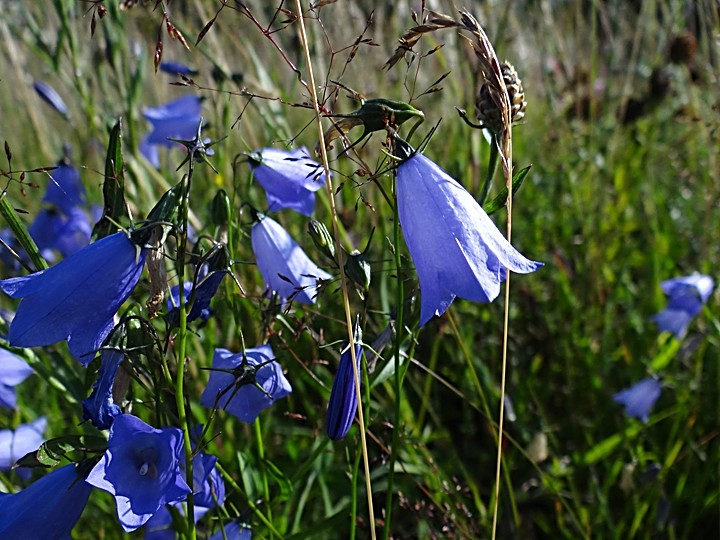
686 296
178 119
55 230
65 189
100 408
141 468
289 178
639 398
456 247
76 299
13 371
50 96
232 382
48 508
343 397
284 266
236 530
14 444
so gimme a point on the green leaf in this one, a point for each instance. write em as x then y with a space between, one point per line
116 211
283 481
499 201
73 447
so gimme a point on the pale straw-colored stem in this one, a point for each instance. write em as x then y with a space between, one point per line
341 263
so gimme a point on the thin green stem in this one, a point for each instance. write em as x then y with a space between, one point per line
492 167
399 327
263 470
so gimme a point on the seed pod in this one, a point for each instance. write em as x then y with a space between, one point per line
485 108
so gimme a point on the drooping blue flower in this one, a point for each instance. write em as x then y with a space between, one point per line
55 230
100 408
639 398
141 468
178 119
284 266
14 444
289 178
50 96
236 530
343 397
48 508
208 487
176 68
65 189
76 299
206 288
686 296
13 371
231 385
456 247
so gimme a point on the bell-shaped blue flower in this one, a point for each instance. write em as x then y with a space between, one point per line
178 119
48 508
65 189
343 397
456 247
50 96
100 408
289 178
76 299
284 266
686 296
14 444
141 468
55 230
13 371
639 398
176 68
233 383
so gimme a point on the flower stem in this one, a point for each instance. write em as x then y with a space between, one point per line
492 167
399 326
263 469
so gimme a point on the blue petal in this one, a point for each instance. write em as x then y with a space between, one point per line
284 266
343 397
456 247
176 68
76 299
639 398
100 408
48 508
51 97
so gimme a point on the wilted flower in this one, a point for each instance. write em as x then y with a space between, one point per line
232 384
639 398
48 508
284 266
686 296
141 468
100 408
343 397
15 444
50 96
76 299
178 119
289 177
13 371
456 247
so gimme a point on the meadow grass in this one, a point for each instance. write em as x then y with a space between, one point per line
611 205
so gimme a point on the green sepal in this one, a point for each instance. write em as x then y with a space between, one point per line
499 201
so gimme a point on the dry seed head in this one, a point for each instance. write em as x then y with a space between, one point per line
486 109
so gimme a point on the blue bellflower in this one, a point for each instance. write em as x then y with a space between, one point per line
65 189
100 408
50 96
48 508
639 398
141 468
178 119
456 247
55 230
76 299
686 296
176 68
284 266
343 397
204 292
13 371
15 444
235 392
289 178
233 531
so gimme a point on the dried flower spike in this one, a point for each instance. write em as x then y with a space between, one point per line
486 109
